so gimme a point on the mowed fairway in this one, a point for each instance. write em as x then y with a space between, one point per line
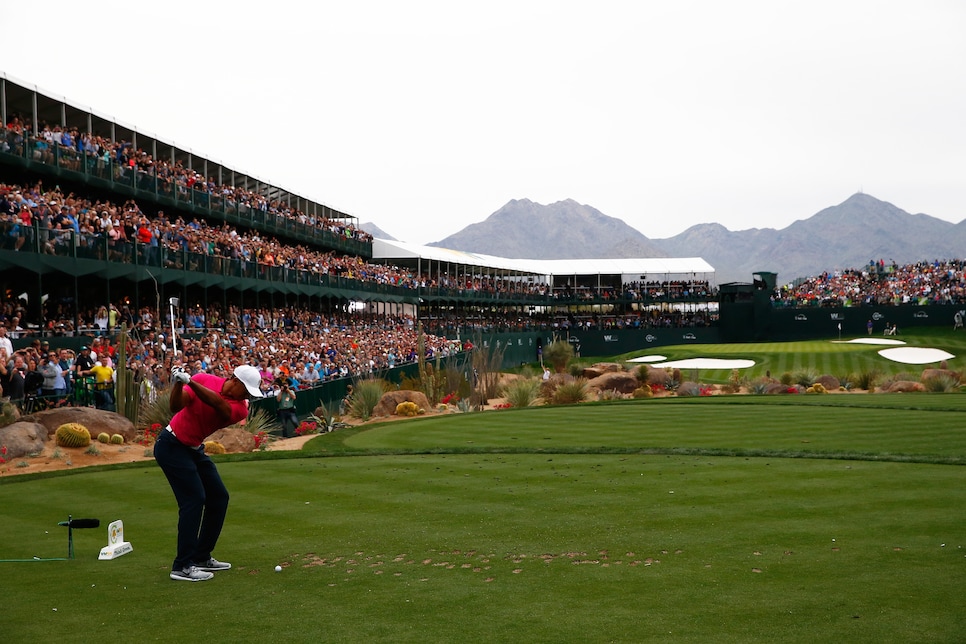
834 356
738 519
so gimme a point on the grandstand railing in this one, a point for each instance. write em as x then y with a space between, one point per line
64 161
50 243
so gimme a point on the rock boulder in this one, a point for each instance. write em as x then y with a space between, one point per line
95 420
599 369
390 399
622 382
22 438
235 440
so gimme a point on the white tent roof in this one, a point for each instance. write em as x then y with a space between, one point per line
383 249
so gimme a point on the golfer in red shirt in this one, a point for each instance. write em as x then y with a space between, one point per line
202 405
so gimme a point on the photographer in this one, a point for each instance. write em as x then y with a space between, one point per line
285 397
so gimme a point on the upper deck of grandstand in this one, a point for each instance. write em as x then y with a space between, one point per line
70 144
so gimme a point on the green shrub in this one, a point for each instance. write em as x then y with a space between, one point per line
260 421
847 381
689 389
558 353
805 378
942 383
867 380
574 391
787 379
760 386
157 412
365 396
522 392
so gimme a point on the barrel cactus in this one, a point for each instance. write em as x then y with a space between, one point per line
407 408
103 437
214 447
117 439
73 435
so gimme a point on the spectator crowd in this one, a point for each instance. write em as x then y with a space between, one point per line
881 284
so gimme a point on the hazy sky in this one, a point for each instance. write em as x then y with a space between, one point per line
425 117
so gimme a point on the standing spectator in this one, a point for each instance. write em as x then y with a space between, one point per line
11 377
103 386
286 409
5 342
55 387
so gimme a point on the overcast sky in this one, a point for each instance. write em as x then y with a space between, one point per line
425 117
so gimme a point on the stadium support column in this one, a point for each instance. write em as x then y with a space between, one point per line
764 284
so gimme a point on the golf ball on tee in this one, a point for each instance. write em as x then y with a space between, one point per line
278 569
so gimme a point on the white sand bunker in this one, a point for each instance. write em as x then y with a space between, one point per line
654 358
914 355
869 341
707 363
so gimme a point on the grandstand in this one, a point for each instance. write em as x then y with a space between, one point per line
162 222
101 224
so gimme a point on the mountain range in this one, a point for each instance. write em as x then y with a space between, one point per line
849 235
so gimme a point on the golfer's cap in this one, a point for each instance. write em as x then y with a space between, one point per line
250 378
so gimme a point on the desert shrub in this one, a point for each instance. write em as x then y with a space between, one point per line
891 380
365 397
157 412
487 359
735 382
867 380
760 386
609 394
8 413
214 447
409 384
846 381
574 391
575 369
942 383
558 353
805 378
324 417
787 378
644 391
689 389
641 373
522 392
260 421
92 450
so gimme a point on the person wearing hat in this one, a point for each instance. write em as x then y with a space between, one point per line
202 404
83 381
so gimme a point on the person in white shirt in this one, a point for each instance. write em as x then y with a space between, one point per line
5 342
